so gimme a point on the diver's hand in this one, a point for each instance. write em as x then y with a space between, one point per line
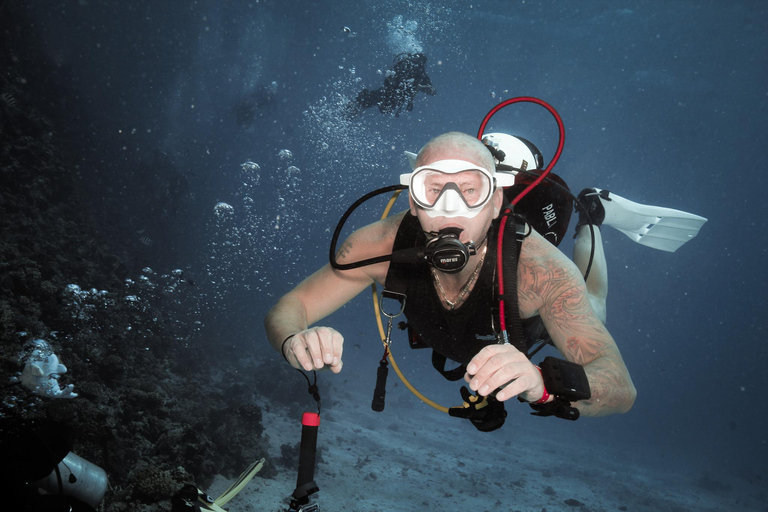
315 349
504 365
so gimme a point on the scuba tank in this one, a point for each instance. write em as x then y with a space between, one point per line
40 473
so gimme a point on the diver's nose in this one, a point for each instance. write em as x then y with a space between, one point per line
451 201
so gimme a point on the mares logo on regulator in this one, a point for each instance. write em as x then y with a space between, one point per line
443 251
447 253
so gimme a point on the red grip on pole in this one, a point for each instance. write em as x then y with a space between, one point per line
310 419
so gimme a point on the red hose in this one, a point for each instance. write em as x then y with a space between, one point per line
505 216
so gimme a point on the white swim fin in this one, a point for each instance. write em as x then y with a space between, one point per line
238 484
655 226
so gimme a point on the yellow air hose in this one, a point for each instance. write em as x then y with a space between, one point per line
380 324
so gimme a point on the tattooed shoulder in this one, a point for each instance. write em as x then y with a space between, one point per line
543 271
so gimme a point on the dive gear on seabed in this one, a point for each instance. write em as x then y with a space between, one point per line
191 499
42 473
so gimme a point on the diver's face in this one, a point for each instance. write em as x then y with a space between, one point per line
474 228
456 207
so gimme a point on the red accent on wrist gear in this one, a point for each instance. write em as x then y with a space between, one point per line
546 395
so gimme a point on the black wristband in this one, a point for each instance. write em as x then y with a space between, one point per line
282 347
565 379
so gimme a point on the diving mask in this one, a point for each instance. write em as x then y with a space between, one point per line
453 188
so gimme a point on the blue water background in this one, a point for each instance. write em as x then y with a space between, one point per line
663 102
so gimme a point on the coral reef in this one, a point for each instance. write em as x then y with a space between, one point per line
42 371
149 410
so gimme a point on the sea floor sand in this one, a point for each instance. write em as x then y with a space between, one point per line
411 458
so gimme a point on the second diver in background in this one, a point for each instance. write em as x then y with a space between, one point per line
407 78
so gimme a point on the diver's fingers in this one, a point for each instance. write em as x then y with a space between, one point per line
317 348
488 361
509 374
325 336
298 347
504 374
314 346
527 384
499 365
477 363
337 347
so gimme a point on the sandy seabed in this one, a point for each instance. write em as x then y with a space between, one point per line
412 458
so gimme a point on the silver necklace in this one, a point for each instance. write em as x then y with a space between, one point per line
464 289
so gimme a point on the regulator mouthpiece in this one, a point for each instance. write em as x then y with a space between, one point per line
447 253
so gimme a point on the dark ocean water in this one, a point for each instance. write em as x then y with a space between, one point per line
663 102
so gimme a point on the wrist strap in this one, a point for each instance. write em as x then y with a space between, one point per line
546 395
282 347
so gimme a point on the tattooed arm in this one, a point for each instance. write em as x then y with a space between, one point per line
553 284
550 285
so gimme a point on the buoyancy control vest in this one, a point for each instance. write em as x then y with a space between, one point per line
457 334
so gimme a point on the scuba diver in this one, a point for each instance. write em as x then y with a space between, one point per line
407 78
456 199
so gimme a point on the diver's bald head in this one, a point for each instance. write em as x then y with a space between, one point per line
458 146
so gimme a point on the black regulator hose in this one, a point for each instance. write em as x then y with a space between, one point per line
340 226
